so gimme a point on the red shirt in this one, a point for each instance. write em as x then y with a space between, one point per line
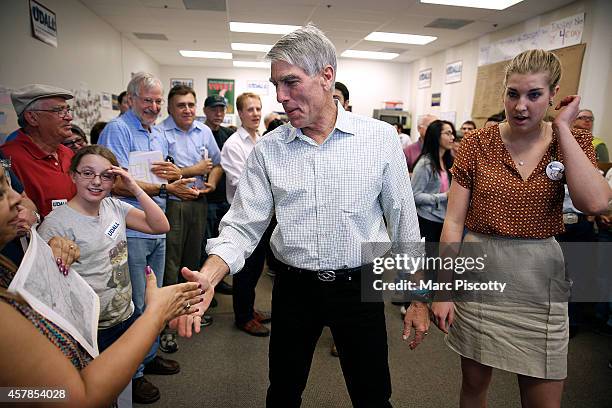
46 179
412 153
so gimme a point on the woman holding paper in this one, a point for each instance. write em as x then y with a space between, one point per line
40 354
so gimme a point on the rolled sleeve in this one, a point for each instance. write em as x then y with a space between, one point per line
396 197
247 219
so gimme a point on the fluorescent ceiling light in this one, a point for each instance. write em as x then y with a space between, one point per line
369 54
251 47
252 64
400 38
262 28
206 54
489 4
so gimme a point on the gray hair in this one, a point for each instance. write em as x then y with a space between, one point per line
308 48
21 120
141 81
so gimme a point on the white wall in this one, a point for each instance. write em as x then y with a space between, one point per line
369 83
594 86
90 53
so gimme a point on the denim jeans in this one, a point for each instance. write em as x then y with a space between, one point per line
143 252
106 337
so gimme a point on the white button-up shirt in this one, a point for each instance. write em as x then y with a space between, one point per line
234 155
328 198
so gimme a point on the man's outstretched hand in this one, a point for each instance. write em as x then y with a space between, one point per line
187 324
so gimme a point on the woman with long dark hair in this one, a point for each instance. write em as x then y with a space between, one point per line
431 178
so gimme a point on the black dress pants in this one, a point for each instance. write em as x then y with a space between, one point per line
302 306
245 281
431 230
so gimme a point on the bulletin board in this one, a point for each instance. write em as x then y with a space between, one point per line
490 78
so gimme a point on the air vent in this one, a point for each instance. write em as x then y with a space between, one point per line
151 36
395 50
448 23
206 5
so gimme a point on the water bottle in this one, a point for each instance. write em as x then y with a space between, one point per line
204 155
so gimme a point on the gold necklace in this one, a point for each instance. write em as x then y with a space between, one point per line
521 162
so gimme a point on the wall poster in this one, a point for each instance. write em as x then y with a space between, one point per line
224 88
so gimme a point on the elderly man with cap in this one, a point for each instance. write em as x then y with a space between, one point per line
40 161
38 157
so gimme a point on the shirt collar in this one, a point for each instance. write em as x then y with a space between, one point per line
244 134
130 117
343 123
34 150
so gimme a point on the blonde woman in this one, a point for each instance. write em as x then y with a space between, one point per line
507 189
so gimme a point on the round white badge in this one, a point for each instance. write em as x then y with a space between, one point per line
554 170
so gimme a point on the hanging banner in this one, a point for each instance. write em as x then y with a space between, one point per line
224 88
558 34
453 72
261 88
44 23
424 78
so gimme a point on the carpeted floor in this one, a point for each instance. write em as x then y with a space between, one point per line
224 367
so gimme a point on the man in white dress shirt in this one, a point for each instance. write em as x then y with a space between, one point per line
234 155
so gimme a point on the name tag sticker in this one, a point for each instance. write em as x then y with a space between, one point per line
112 229
57 203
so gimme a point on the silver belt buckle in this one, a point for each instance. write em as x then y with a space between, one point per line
326 276
570 218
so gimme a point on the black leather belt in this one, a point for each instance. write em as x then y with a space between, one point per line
337 275
573 218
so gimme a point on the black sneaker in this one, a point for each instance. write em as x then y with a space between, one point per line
206 321
167 343
143 392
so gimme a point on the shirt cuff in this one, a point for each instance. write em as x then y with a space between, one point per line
228 253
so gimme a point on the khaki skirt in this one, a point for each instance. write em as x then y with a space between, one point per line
521 334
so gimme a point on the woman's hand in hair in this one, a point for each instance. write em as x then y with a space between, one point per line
568 110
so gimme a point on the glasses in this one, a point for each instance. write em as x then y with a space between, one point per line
61 111
105 177
74 142
151 101
586 118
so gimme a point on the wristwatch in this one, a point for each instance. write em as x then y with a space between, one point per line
163 192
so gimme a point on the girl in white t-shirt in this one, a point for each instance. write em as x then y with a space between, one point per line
97 223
